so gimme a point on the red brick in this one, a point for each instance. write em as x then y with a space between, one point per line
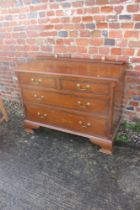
10 41
102 1
76 19
73 49
104 50
135 60
20 41
54 20
138 53
60 49
92 10
102 25
67 41
59 13
27 1
116 51
99 18
78 26
49 27
85 33
128 51
131 34
134 103
50 13
82 49
58 27
96 33
87 19
123 58
136 17
32 34
134 44
77 4
96 41
137 25
127 25
82 42
93 50
106 9
70 26
54 6
133 8
114 25
90 2
31 41
79 11
118 9
49 33
137 68
59 42
115 34
46 48
38 7
73 33
13 10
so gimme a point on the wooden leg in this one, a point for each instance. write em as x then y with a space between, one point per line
105 144
30 126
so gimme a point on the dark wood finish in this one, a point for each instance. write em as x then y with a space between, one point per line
66 119
93 104
37 80
84 86
81 97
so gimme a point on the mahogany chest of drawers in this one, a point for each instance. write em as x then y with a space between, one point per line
82 97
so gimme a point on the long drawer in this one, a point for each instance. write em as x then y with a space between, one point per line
67 120
95 105
37 80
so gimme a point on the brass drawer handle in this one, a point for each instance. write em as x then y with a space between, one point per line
87 104
36 81
87 87
42 116
38 97
84 124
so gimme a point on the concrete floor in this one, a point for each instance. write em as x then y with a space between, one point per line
51 170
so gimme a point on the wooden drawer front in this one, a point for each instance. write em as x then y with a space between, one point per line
87 87
37 80
67 120
95 105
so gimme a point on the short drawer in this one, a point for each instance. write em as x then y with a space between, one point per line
37 80
94 105
67 120
84 86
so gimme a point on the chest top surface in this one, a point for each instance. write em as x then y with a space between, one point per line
75 67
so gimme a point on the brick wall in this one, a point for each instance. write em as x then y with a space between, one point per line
73 28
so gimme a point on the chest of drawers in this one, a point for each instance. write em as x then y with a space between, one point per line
81 97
